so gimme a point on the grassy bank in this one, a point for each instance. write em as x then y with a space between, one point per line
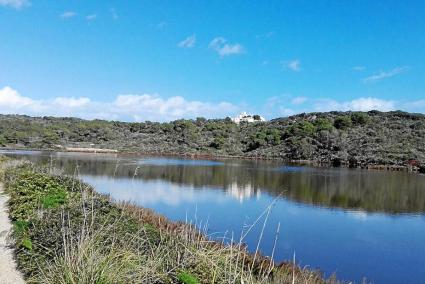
64 232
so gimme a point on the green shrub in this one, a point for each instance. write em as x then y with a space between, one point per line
265 136
3 140
187 278
27 243
359 118
323 124
32 189
273 136
53 199
302 128
218 142
20 227
343 122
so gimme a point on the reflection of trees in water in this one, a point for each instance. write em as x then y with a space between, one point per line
391 192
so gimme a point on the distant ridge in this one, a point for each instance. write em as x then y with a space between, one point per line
393 140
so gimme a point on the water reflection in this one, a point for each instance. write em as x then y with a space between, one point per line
242 192
391 192
360 240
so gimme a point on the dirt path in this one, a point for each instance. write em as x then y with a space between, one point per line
8 272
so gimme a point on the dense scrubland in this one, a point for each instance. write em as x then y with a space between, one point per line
357 139
64 232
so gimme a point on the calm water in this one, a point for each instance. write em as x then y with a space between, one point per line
355 223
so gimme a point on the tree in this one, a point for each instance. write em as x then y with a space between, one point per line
323 124
343 122
302 128
359 118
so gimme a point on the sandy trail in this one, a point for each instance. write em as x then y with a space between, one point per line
8 272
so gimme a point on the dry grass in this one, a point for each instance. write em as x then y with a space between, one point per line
90 239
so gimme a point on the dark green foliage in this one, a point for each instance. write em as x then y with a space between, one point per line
39 235
53 199
3 140
218 142
302 128
321 137
20 227
323 124
32 191
273 136
360 118
343 122
265 136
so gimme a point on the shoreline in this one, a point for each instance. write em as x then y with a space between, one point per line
63 199
375 167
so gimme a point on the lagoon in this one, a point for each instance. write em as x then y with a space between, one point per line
352 222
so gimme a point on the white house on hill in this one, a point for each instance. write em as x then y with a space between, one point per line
245 117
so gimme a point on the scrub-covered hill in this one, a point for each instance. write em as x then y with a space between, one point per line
357 139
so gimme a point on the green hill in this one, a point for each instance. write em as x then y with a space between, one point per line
357 139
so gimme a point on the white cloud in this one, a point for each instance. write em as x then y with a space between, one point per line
294 65
155 107
223 48
71 102
68 14
385 74
11 101
360 104
127 107
298 100
135 107
277 106
17 4
284 106
91 17
188 42
415 105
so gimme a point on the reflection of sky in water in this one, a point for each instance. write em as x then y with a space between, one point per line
291 169
153 192
177 162
350 243
386 248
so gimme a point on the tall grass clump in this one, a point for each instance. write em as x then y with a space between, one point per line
65 232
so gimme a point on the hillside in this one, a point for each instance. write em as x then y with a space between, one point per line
356 139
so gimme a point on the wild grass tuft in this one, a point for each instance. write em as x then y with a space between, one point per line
70 234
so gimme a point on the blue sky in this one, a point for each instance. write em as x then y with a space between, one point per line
163 60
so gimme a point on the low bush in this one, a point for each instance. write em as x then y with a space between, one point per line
360 118
343 122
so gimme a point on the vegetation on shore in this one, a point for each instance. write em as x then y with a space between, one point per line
65 232
356 139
